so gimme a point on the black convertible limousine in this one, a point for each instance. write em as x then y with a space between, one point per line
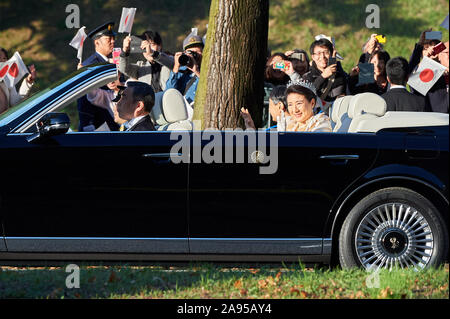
373 194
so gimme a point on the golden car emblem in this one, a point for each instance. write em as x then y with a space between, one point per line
258 157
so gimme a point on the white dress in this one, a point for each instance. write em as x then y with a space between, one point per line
318 123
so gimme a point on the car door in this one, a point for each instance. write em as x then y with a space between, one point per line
94 192
234 209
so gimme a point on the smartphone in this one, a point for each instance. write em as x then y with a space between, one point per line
438 48
135 46
381 38
279 66
332 61
433 35
299 56
116 55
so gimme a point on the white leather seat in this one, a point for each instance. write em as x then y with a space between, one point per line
339 117
403 119
169 112
365 107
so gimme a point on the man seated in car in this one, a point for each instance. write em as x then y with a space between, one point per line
134 104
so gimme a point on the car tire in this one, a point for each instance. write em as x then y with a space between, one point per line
393 227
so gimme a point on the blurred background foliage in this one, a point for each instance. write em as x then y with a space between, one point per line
37 29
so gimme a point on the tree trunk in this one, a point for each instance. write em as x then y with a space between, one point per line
232 72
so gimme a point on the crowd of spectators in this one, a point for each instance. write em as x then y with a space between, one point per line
301 84
324 80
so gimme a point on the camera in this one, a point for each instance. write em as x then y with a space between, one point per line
381 38
433 35
279 66
135 46
186 60
438 48
299 56
332 61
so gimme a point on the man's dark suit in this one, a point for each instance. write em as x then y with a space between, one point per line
400 100
89 114
144 125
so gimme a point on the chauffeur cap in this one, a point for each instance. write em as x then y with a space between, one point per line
103 30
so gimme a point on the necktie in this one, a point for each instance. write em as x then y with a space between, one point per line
122 128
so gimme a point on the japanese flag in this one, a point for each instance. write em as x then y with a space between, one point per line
78 42
427 74
13 70
127 19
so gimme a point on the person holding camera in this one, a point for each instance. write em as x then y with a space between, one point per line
437 98
379 86
326 72
371 47
155 69
186 71
300 61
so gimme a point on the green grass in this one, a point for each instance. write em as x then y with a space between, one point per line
213 281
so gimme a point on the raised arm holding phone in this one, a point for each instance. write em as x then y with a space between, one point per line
326 73
149 70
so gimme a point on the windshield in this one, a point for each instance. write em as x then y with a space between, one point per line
28 102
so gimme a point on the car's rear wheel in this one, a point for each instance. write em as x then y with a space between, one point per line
393 227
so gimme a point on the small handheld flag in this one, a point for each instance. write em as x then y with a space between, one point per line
13 70
127 20
78 42
427 74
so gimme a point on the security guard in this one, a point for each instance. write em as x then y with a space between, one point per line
92 117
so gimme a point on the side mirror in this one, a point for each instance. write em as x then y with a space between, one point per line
51 124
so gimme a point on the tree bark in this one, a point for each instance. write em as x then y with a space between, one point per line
232 72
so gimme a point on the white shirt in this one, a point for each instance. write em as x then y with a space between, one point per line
104 57
133 122
103 99
395 86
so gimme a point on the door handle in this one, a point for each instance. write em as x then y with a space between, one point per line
340 160
162 158
162 155
340 157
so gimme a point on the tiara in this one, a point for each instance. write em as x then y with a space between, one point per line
304 83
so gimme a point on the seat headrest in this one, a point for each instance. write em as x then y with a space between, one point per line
157 112
367 103
340 107
173 106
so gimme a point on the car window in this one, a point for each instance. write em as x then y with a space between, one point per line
28 101
70 107
19 106
66 105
